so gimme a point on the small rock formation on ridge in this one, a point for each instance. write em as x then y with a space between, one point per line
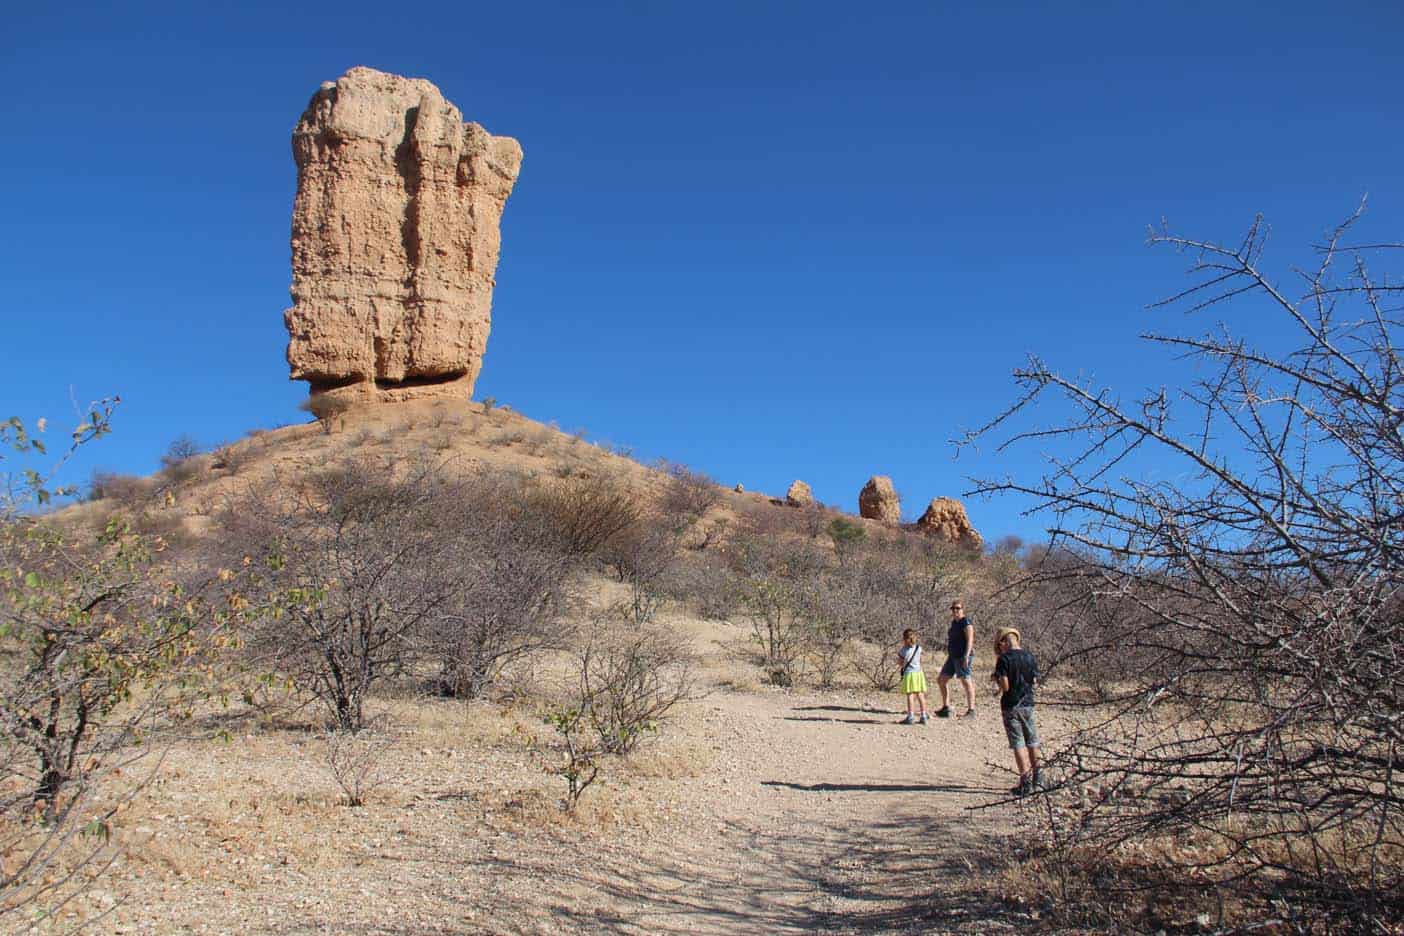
878 501
799 495
945 519
394 240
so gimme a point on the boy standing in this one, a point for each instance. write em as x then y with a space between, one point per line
1016 672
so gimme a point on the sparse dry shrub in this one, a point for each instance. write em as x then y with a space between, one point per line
631 676
586 510
539 441
847 536
359 565
514 578
229 457
125 490
640 556
356 761
329 410
688 497
775 580
704 582
100 648
579 758
507 437
182 449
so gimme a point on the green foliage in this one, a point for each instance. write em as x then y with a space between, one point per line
100 643
578 763
35 486
846 534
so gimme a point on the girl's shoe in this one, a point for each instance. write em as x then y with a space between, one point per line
909 720
922 720
968 713
943 712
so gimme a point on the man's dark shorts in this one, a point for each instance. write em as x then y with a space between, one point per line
1019 727
959 668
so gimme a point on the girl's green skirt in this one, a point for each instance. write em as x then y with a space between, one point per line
914 682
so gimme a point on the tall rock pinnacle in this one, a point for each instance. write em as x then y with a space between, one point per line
394 239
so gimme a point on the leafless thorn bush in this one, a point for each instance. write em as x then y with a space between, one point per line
359 566
586 511
631 678
329 411
356 761
1251 584
514 571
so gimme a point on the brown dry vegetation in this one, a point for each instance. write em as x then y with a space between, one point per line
771 794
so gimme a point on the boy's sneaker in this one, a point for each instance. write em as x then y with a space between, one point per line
943 712
909 720
922 719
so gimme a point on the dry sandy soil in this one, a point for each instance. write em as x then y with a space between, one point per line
756 811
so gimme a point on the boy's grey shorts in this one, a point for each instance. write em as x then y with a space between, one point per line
1019 727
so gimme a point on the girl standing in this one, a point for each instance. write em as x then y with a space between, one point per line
913 679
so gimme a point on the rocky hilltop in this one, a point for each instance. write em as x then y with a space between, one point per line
395 239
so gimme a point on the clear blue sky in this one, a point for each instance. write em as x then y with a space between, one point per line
770 240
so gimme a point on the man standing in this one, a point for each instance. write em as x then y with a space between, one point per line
960 657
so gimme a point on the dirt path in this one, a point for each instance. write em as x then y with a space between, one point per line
823 815
782 813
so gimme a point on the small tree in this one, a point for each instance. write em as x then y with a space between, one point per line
99 648
585 512
631 678
359 567
513 585
774 583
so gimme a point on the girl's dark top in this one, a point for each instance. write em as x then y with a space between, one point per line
1021 669
956 644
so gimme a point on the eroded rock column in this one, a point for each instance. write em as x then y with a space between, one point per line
395 239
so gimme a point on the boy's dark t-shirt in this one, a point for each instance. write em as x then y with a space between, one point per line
1020 667
955 641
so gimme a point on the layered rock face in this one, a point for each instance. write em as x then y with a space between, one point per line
799 495
945 519
878 501
395 239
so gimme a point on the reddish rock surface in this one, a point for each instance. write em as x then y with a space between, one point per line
878 501
945 518
799 495
394 239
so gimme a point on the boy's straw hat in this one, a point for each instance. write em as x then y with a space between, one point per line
1004 632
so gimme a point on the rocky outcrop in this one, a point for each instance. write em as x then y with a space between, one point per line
878 501
394 239
945 519
799 495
